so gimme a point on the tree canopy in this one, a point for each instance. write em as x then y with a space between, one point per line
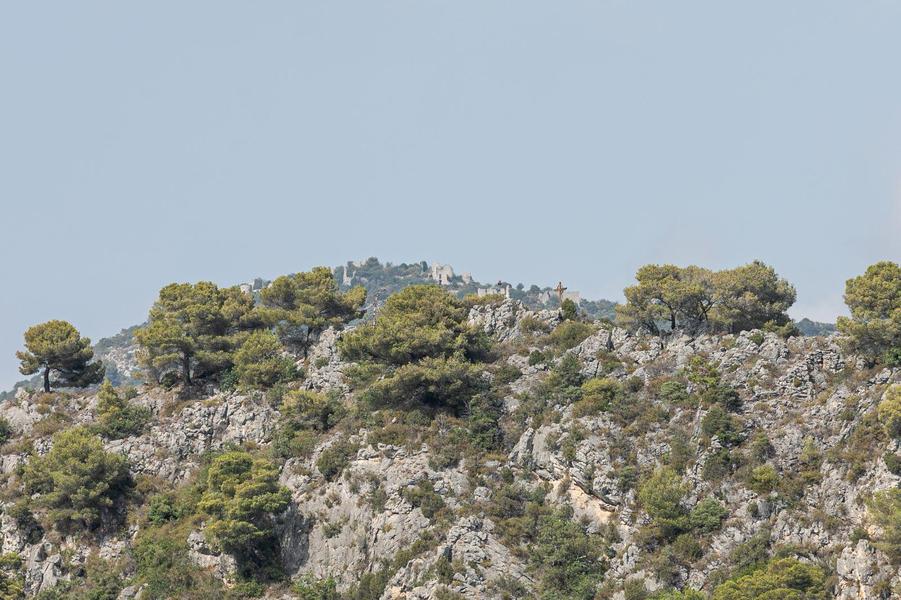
668 297
193 329
260 360
420 321
57 347
874 300
303 305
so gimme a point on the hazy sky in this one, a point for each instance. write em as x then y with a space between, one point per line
147 143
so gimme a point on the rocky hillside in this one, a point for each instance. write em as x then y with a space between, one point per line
609 464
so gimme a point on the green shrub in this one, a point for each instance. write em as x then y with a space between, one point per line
889 411
163 508
506 373
164 567
892 463
707 516
312 410
565 558
12 579
721 425
674 392
677 595
485 410
761 448
885 511
116 416
711 390
531 325
569 334
686 548
681 451
305 414
6 431
597 396
783 578
717 465
332 460
310 588
77 480
661 496
434 382
635 589
607 362
568 310
568 371
763 479
240 499
424 497
102 580
537 357
634 384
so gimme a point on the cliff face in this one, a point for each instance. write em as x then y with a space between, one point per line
804 408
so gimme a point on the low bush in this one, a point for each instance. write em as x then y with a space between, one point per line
707 516
786 578
889 411
12 579
310 588
77 481
434 383
885 511
719 424
117 417
569 334
332 460
661 496
674 392
424 497
597 396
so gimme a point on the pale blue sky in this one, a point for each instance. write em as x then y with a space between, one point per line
530 141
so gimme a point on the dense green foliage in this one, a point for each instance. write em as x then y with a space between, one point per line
166 570
57 347
564 558
662 495
424 347
116 416
303 305
889 411
193 329
781 578
433 382
874 299
309 588
12 581
260 361
77 481
241 497
667 298
420 321
885 511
